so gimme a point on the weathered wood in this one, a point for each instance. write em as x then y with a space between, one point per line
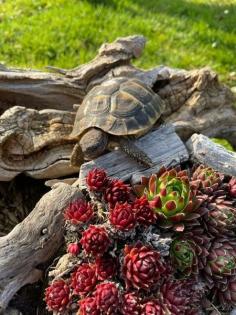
33 241
200 104
36 143
205 151
163 146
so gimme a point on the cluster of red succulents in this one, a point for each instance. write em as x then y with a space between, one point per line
162 247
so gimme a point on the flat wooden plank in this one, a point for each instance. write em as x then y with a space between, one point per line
205 151
163 146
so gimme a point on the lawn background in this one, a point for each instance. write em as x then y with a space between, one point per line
66 33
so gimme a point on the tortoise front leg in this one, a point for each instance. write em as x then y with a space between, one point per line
134 152
77 156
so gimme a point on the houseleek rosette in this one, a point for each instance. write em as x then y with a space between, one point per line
171 197
183 256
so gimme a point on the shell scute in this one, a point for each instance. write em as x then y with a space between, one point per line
120 106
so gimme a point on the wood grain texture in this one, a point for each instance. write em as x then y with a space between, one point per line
163 146
205 151
33 241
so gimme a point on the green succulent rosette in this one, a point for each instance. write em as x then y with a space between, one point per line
184 257
171 197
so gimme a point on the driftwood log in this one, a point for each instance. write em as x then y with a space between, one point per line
33 241
202 150
34 136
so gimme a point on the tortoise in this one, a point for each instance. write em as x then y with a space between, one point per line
111 115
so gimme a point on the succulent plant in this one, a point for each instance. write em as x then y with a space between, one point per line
106 267
74 248
232 187
57 296
221 263
202 243
84 279
78 212
97 180
88 306
220 218
152 307
181 296
123 217
95 240
130 304
184 257
207 179
107 298
170 196
117 191
226 295
142 268
144 214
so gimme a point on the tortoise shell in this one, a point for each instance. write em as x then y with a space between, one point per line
119 106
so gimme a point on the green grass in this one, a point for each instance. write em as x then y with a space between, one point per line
66 33
224 143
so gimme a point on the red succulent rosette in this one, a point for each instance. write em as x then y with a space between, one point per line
108 298
57 296
73 248
152 307
117 191
123 217
142 267
226 293
88 306
95 240
97 180
220 218
221 262
206 179
106 267
79 212
144 214
180 297
130 304
83 279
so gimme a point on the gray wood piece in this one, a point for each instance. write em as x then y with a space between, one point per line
205 151
163 146
33 242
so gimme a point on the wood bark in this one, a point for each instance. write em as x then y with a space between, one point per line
34 138
33 241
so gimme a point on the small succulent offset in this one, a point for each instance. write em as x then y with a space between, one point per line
207 179
161 247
